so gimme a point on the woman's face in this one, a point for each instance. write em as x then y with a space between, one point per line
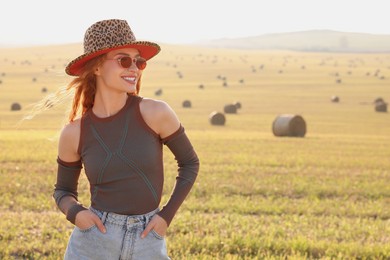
111 75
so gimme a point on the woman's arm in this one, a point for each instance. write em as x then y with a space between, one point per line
69 168
163 120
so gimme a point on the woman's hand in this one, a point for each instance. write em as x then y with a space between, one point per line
158 224
86 219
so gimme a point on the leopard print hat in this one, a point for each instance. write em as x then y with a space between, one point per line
105 36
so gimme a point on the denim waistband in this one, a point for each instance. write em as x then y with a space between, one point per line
123 219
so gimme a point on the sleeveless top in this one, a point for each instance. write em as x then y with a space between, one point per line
123 160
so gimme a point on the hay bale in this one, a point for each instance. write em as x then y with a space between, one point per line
378 100
16 107
289 125
237 104
44 90
381 107
217 118
201 86
230 109
187 103
158 92
335 99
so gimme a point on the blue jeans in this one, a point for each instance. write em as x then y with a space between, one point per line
121 241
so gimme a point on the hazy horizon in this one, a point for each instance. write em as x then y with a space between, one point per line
43 22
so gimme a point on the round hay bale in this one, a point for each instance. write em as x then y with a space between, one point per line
44 90
378 100
187 103
201 86
158 92
335 99
289 125
230 109
237 104
381 107
16 107
217 118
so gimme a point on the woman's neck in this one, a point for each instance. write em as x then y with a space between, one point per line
108 104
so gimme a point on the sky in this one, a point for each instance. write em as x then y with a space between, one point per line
45 22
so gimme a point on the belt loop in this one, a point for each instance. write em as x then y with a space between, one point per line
104 217
145 221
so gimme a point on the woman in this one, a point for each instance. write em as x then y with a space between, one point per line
118 139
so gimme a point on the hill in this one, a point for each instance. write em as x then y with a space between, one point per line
312 41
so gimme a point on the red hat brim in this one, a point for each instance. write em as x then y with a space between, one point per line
146 49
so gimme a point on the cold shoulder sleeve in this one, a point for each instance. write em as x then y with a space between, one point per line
188 168
67 180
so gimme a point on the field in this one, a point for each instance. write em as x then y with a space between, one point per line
324 196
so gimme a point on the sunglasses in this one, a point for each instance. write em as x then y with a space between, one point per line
127 61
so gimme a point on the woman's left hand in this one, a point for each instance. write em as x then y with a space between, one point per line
157 223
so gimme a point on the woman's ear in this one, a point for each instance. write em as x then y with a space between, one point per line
97 71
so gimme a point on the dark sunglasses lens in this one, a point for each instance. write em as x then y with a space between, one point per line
126 62
141 63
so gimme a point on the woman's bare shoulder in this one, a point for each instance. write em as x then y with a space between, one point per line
71 129
69 141
152 104
159 116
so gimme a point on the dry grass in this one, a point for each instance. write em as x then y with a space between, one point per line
326 195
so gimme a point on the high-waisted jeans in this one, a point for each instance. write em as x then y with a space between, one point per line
121 241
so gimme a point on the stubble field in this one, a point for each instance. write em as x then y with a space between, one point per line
257 196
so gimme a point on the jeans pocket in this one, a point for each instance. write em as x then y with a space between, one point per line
157 235
87 230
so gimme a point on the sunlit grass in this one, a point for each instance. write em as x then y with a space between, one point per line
257 196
